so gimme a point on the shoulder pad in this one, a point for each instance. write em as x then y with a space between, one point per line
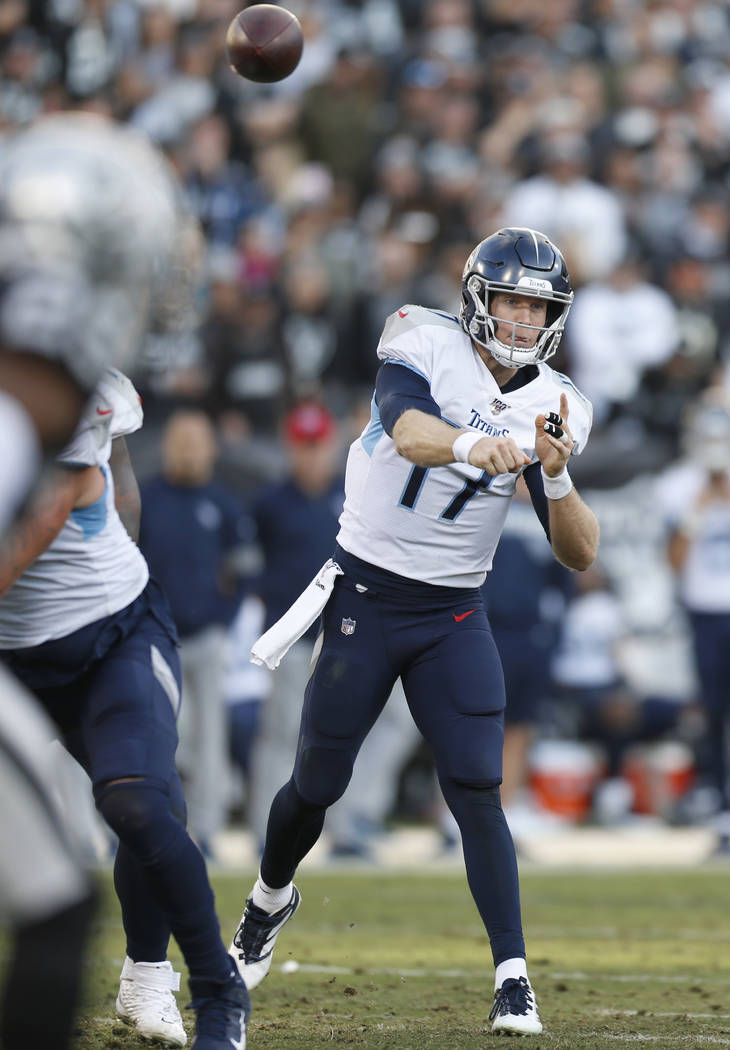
120 396
410 316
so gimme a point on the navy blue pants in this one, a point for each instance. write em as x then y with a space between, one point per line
711 634
377 627
114 700
113 688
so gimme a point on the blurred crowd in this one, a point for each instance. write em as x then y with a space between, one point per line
410 130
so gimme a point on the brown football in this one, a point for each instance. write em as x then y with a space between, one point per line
264 43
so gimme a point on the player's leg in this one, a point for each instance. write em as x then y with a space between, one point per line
354 821
456 695
129 728
275 747
46 895
203 750
711 635
147 981
351 679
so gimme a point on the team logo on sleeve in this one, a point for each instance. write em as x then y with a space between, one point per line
497 406
348 626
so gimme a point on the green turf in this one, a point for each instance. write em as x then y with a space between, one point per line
615 958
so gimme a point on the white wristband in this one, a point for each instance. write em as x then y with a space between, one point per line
463 445
556 488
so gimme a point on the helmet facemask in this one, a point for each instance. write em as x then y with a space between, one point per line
481 324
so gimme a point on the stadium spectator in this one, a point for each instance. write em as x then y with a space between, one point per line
525 594
571 207
246 688
694 496
194 534
620 326
296 521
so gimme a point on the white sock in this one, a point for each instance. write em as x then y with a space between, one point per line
269 899
514 968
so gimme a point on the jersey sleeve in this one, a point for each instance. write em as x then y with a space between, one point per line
398 388
126 404
113 410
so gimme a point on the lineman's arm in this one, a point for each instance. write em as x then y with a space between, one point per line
574 529
127 499
38 527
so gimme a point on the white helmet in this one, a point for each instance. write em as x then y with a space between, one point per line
91 221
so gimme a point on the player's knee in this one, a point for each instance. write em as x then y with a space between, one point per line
322 775
139 813
478 782
471 754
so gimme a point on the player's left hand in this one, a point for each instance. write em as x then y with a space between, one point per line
553 439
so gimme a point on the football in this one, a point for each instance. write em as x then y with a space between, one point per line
264 43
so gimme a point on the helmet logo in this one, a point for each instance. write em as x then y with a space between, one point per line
537 284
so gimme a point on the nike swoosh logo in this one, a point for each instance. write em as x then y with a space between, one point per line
402 313
463 615
104 411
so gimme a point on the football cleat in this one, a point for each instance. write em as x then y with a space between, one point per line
253 941
221 1019
515 1011
146 1002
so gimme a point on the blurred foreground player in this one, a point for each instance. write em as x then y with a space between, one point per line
462 407
89 227
84 626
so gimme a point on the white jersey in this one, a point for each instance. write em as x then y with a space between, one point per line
704 579
441 525
92 569
592 628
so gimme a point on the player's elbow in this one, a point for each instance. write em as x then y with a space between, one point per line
404 439
578 556
405 447
583 561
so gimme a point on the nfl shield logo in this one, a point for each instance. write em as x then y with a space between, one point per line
348 626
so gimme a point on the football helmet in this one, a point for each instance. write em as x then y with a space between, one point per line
91 224
515 259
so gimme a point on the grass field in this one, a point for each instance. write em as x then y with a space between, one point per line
392 961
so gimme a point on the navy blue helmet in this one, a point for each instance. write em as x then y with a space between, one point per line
524 261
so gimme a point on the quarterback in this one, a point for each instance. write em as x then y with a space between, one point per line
462 407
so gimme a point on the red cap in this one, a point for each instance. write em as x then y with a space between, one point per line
308 422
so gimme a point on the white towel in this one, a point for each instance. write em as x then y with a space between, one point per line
276 642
